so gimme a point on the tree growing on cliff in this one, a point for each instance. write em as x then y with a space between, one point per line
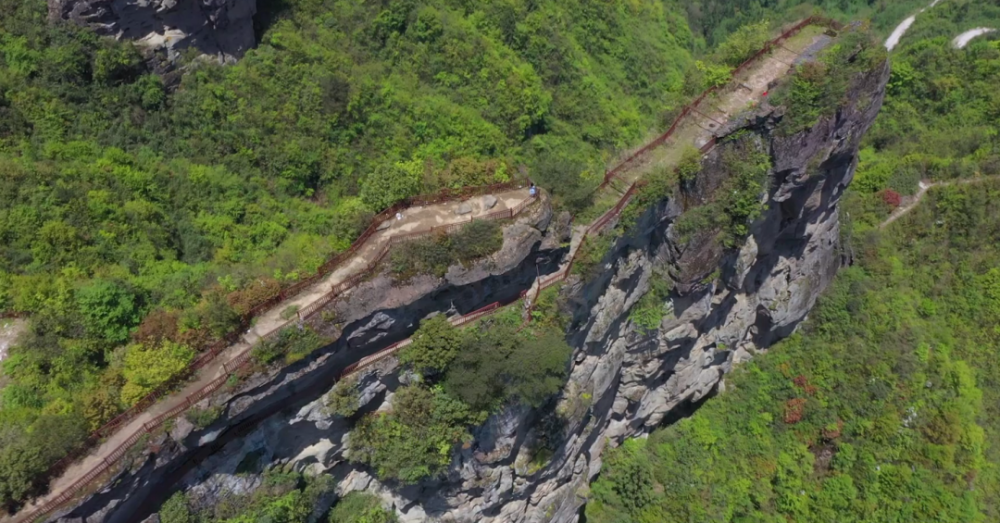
361 507
414 440
434 347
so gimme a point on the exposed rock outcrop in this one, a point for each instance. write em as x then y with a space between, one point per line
222 29
727 305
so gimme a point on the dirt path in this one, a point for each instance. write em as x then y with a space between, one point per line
414 219
910 202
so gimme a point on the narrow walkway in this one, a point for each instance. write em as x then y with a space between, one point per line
912 201
746 91
414 219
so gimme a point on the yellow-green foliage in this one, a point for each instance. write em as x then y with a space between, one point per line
361 507
147 367
344 399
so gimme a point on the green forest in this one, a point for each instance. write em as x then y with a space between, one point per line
883 407
139 221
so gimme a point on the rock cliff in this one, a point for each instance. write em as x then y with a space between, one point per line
727 304
222 29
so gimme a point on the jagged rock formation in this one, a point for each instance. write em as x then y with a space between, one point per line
728 304
222 29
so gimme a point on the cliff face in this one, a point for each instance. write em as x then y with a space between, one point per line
222 29
727 305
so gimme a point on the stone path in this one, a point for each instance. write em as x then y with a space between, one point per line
414 219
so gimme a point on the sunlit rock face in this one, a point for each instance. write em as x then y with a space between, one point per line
165 29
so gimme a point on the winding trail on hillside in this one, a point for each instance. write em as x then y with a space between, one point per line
963 39
912 201
698 130
904 26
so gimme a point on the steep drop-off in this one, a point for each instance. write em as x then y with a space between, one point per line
727 304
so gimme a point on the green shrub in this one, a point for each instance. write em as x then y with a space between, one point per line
649 311
414 440
361 507
110 308
478 239
343 400
743 43
146 368
202 418
289 312
388 184
25 456
738 201
294 343
549 310
176 510
590 254
434 346
818 87
496 365
434 255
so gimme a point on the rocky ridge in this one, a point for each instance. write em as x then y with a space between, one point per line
727 305
165 29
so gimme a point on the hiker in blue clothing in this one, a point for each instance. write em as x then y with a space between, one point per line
532 190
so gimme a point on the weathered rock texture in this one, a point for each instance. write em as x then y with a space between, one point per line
222 29
727 305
